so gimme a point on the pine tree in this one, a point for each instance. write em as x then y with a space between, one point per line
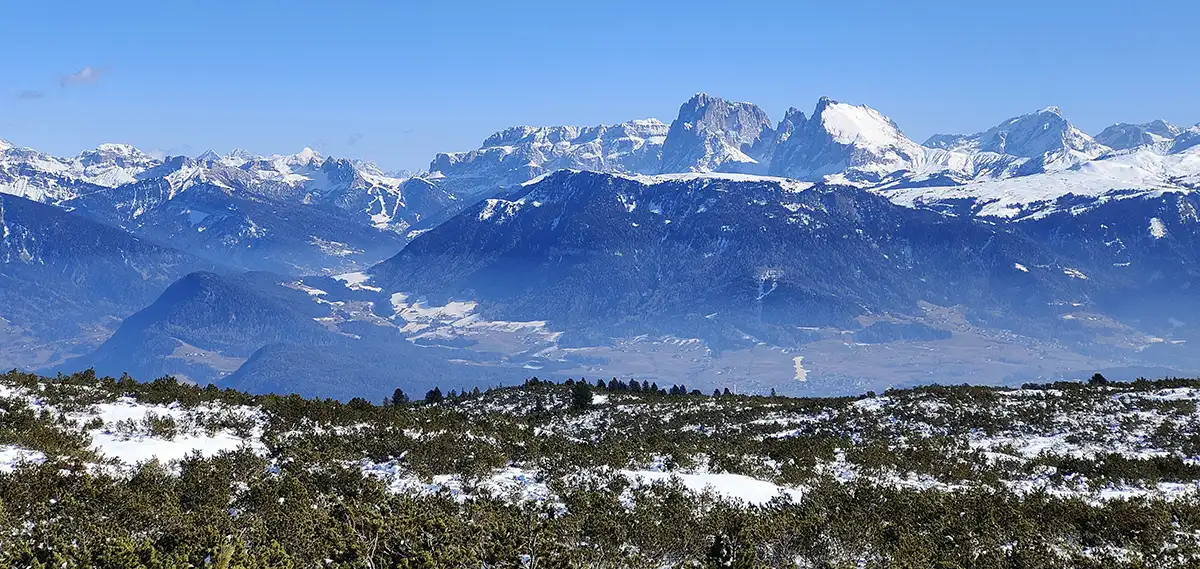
581 396
434 395
399 397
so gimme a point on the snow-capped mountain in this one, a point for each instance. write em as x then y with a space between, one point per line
27 173
307 176
714 135
1045 139
1029 159
1143 172
852 143
517 154
299 212
1144 160
1186 140
1123 136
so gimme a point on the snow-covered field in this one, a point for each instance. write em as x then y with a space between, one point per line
124 433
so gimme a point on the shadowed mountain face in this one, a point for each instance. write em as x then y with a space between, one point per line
65 280
205 317
584 249
247 231
732 259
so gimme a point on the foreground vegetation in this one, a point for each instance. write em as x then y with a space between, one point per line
579 475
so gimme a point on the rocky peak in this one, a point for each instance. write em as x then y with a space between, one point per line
855 140
712 134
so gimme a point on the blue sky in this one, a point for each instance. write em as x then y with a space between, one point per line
396 82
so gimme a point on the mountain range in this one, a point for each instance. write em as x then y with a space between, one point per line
822 253
1013 169
300 213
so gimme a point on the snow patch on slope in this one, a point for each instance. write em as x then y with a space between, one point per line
1157 229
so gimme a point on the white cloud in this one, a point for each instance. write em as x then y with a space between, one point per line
83 76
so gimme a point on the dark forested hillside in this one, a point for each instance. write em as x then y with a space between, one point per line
730 259
66 280
211 316
254 332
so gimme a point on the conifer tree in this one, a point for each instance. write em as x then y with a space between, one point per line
581 396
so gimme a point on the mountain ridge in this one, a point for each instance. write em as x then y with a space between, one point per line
312 212
839 143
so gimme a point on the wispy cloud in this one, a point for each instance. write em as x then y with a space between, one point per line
29 95
84 76
354 138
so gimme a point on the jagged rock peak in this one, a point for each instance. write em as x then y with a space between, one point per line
712 134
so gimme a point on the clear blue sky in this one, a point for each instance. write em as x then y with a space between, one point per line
396 82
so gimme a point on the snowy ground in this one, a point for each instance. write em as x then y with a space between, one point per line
121 431
1028 429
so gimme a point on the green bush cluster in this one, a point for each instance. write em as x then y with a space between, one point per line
305 501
